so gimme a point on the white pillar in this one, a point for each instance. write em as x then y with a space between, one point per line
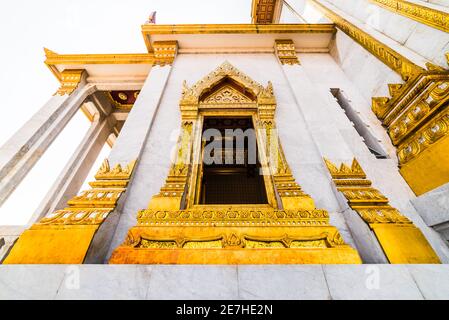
128 147
322 124
20 153
75 172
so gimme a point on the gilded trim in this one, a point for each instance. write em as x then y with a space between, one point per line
153 29
428 16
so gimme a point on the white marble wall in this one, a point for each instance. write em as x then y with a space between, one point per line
270 282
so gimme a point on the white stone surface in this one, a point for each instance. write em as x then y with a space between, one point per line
30 282
429 278
371 282
224 282
433 206
193 282
287 282
96 282
128 147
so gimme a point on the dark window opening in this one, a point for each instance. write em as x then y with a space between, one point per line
233 177
370 141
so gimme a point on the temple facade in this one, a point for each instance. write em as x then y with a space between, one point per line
341 108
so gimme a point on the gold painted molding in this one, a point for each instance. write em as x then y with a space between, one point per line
400 239
54 59
64 236
384 53
428 16
154 29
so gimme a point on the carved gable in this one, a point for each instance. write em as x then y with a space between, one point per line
227 94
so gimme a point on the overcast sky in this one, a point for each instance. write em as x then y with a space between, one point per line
83 26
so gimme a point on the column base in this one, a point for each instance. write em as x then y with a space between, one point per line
242 244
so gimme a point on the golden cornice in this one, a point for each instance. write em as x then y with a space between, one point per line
431 17
384 53
54 59
153 29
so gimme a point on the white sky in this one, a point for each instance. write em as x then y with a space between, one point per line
83 26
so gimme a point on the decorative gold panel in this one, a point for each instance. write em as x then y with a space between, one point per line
431 17
64 236
165 52
401 241
286 52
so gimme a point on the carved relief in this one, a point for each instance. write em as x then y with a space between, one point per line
416 113
70 79
286 52
369 202
91 207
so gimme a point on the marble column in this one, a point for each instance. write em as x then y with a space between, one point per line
322 126
128 147
21 152
74 174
